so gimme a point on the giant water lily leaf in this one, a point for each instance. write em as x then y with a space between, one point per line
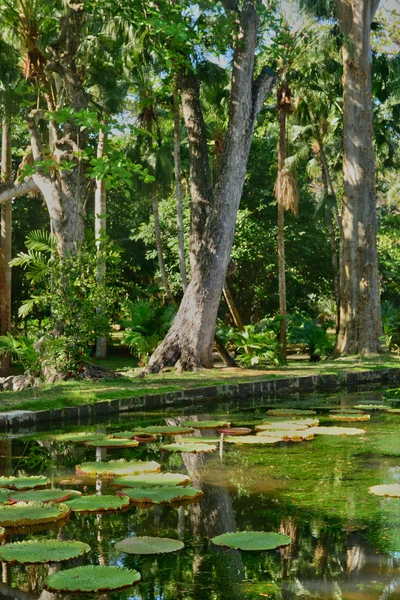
192 448
235 431
116 467
43 495
288 435
336 431
91 578
148 545
24 483
4 494
291 425
346 411
152 479
42 551
252 540
2 533
31 513
207 424
124 434
80 436
94 503
165 429
253 439
349 417
290 412
161 495
394 411
391 490
197 440
372 407
113 443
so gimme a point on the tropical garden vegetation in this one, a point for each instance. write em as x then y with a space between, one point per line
196 177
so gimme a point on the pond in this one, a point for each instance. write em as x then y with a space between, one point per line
345 542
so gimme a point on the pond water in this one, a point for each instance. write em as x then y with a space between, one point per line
345 541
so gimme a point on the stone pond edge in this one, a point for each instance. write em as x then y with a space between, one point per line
269 387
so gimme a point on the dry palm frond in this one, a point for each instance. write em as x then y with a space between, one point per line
287 191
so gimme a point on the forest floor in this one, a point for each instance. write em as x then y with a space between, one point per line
73 393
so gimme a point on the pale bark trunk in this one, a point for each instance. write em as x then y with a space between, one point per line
6 239
100 225
178 185
188 343
281 237
237 319
159 244
360 314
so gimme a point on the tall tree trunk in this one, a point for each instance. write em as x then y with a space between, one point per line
159 244
6 239
282 107
188 343
100 225
178 185
360 313
329 190
237 319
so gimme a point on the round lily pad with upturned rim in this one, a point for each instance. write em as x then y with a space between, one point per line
116 467
393 411
281 426
234 431
290 412
2 533
32 513
252 540
191 448
336 431
349 417
24 482
113 443
161 495
372 407
42 551
148 545
289 436
152 479
165 429
145 438
346 411
252 439
95 503
80 436
207 424
390 490
91 578
54 495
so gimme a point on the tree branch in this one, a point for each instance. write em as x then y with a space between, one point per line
262 87
8 191
36 144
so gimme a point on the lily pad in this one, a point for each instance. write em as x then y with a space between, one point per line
279 426
197 439
252 439
42 551
148 545
391 490
394 411
152 479
4 494
372 407
336 431
192 448
116 467
207 424
346 411
290 412
349 418
31 513
290 436
94 503
80 436
43 495
92 578
113 443
2 533
252 540
24 483
235 431
161 494
145 438
165 429
124 434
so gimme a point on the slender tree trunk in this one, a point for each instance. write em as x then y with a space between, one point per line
281 235
178 185
6 239
100 225
188 343
360 313
329 190
159 244
237 319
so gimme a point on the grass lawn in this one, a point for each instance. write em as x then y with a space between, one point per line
72 393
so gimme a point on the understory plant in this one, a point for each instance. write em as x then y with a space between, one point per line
256 344
312 336
390 324
74 306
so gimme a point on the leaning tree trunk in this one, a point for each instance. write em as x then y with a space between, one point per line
100 224
178 185
360 314
159 244
6 239
188 343
63 186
